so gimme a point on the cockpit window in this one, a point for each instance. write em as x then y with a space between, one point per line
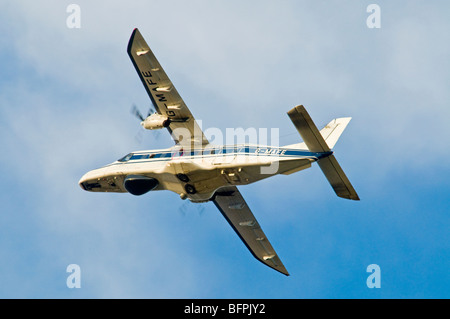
125 158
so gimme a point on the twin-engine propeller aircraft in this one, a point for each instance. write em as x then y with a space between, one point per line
201 172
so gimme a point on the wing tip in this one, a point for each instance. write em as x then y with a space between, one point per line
277 263
130 42
281 270
284 272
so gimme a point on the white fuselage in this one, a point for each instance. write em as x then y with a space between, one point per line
197 174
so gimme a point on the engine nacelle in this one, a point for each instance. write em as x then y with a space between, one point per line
139 185
155 122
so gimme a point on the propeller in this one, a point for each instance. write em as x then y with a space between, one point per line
150 111
135 111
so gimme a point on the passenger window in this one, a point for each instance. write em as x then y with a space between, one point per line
140 156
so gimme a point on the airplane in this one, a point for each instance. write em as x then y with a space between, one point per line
201 172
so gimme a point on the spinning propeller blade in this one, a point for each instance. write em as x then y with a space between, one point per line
135 111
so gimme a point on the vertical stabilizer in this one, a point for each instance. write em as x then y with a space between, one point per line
333 130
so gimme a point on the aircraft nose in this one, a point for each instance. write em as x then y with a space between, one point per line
89 181
82 182
82 186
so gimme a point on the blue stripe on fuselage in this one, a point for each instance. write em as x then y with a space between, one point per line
151 156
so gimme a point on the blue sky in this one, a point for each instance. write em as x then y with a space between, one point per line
66 94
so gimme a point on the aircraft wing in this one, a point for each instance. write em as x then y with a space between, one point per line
235 210
163 94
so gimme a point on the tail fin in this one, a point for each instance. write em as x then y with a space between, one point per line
323 141
333 130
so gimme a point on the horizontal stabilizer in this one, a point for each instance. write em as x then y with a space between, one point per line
315 141
331 132
337 178
308 130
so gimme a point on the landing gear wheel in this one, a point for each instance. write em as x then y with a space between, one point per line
190 189
183 177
